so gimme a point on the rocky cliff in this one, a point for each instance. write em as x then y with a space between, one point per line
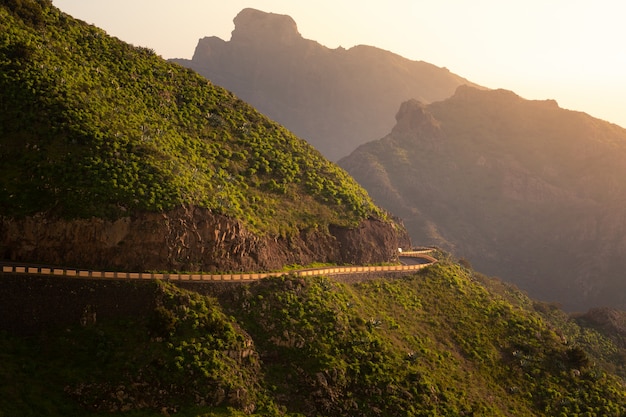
523 189
189 239
337 99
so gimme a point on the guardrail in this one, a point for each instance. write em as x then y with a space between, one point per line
87 274
424 254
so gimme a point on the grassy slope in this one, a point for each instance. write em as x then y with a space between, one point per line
435 343
92 126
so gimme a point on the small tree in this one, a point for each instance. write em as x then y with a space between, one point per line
577 357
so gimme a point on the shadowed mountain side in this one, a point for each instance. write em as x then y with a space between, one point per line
337 99
523 189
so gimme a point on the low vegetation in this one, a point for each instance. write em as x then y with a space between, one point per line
93 126
445 341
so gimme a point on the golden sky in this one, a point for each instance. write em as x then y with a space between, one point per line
567 50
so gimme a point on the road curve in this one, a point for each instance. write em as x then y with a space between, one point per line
412 261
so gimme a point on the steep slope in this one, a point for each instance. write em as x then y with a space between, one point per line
336 99
434 343
612 324
112 157
523 189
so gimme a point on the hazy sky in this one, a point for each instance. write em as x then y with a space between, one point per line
568 50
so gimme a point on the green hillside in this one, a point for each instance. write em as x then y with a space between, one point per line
443 342
93 126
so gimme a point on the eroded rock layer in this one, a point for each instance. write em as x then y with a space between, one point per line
189 239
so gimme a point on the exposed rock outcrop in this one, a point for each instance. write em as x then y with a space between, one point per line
274 28
188 239
336 99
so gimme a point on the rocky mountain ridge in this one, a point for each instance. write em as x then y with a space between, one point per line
523 189
336 99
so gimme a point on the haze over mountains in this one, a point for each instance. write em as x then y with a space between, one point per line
336 99
523 189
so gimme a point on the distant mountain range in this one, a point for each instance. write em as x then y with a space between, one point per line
522 189
336 99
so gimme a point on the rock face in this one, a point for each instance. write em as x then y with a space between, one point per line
274 28
523 189
188 239
336 99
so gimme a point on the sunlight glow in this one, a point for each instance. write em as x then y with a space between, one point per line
558 49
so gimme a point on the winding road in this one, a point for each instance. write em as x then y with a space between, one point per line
410 261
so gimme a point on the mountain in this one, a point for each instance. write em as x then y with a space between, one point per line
522 189
445 341
336 99
111 157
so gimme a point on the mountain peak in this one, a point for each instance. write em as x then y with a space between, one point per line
256 26
414 116
321 94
